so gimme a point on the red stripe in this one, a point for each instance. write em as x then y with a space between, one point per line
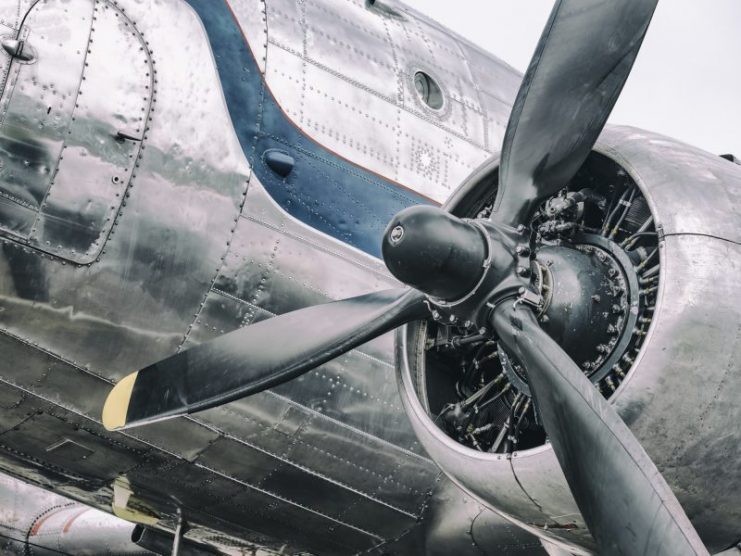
70 521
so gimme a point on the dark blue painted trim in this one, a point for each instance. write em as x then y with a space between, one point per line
324 190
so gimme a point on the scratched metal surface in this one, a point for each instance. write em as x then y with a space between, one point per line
193 247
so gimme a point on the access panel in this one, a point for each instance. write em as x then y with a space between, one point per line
73 117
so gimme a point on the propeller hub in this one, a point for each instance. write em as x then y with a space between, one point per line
435 252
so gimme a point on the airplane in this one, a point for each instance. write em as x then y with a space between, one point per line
535 346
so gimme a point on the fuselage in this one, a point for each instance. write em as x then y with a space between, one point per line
174 170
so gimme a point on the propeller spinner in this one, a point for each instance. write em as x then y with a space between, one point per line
476 273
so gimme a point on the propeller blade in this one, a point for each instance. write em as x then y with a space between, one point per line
256 357
627 505
579 67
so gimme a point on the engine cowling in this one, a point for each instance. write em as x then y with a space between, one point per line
678 378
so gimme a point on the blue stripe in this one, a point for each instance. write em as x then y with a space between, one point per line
323 190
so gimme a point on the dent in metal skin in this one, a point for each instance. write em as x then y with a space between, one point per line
678 397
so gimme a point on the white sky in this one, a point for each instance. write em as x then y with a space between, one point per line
686 82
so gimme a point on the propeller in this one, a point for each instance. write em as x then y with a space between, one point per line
462 269
579 67
214 373
625 501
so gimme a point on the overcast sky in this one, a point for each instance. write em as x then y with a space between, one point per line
686 82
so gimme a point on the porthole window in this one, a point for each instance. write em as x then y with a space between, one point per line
428 90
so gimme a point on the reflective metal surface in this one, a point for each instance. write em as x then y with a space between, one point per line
344 73
677 396
36 522
72 125
160 237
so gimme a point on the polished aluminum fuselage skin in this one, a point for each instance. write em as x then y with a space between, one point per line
138 218
133 224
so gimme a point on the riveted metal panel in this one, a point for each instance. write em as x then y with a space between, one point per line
361 63
179 483
104 140
264 420
286 25
37 373
499 82
372 141
240 461
185 438
99 459
222 313
167 242
273 423
310 488
355 391
334 499
421 47
281 272
12 11
496 86
285 75
15 406
395 476
364 52
7 31
281 520
441 160
253 20
36 108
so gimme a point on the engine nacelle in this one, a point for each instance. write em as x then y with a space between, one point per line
679 385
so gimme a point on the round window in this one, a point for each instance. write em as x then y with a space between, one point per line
428 90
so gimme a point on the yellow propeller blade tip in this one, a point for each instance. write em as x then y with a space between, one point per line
117 404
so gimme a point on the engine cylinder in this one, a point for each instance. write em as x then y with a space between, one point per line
681 374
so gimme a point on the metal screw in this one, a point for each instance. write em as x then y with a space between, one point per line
396 234
523 271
